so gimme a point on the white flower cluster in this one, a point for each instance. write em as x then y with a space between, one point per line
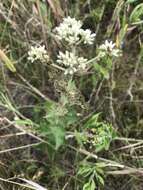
38 53
71 32
109 48
72 62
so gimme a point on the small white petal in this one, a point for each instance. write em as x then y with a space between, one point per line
38 53
109 48
71 62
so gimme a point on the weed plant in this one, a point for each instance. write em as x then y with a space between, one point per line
71 107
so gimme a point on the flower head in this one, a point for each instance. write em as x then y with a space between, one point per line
87 36
71 62
71 32
38 53
109 48
68 30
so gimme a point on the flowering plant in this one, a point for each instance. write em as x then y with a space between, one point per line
38 53
109 48
71 32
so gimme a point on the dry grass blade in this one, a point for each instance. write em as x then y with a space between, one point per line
15 183
35 89
9 64
18 148
33 184
126 172
12 135
129 146
56 8
110 163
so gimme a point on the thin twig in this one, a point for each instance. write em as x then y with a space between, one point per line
133 77
12 135
15 183
23 129
129 146
20 147
110 163
35 89
111 106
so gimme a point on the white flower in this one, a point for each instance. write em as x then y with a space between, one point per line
87 36
38 53
71 32
109 48
68 30
71 62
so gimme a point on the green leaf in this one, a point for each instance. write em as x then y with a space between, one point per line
93 186
59 136
93 121
131 1
89 185
86 186
79 137
136 14
43 9
23 122
102 133
100 179
85 171
102 70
